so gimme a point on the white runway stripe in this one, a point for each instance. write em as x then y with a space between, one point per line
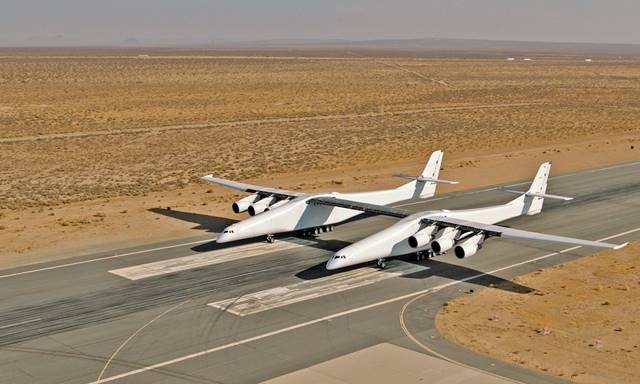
311 289
184 263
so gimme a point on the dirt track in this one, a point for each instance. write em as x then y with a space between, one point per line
257 121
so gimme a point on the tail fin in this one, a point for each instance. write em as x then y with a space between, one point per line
432 169
423 188
424 185
534 198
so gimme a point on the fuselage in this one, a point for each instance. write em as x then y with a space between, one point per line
298 214
393 241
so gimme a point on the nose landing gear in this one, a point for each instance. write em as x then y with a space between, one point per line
382 264
270 238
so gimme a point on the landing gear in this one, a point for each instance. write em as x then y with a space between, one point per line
423 255
310 232
270 238
382 264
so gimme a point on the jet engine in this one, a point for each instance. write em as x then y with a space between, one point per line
261 205
422 237
243 204
469 247
445 241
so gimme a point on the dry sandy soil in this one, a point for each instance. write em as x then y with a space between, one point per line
582 321
90 141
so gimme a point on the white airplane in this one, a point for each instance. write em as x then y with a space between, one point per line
277 211
435 232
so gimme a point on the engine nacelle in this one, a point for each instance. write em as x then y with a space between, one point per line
244 203
469 247
261 205
442 245
422 237
277 204
465 250
445 241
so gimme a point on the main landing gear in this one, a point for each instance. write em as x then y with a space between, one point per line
423 255
309 232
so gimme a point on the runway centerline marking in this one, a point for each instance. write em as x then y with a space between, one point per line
344 313
204 259
116 256
20 323
311 289
576 173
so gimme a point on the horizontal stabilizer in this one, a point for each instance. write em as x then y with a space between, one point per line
422 178
548 196
533 194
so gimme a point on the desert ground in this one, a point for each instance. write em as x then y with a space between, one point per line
579 323
92 140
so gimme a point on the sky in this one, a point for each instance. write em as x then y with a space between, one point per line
100 22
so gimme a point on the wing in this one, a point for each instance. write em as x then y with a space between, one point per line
358 206
496 230
251 188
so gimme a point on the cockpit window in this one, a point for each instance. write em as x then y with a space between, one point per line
228 231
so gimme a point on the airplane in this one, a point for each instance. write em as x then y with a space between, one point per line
429 233
277 211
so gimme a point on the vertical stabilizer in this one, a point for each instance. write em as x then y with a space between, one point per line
426 189
533 204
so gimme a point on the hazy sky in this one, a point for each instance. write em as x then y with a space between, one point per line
197 21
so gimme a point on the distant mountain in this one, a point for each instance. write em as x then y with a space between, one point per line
446 45
131 41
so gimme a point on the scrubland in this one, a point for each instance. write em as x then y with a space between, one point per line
580 323
90 127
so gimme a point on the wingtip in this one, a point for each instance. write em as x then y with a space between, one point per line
621 246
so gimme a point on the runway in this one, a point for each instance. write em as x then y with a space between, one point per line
193 311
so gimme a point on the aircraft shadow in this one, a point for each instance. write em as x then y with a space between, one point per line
204 222
436 268
332 245
215 224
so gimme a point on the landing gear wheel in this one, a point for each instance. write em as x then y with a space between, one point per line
270 238
382 264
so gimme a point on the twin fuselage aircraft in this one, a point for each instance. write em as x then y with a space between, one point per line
424 234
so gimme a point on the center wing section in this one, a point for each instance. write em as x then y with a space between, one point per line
359 206
498 231
250 188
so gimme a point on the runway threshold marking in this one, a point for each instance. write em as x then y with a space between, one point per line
577 173
312 289
343 313
203 259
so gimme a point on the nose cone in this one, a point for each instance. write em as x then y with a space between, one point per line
227 235
336 262
222 238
